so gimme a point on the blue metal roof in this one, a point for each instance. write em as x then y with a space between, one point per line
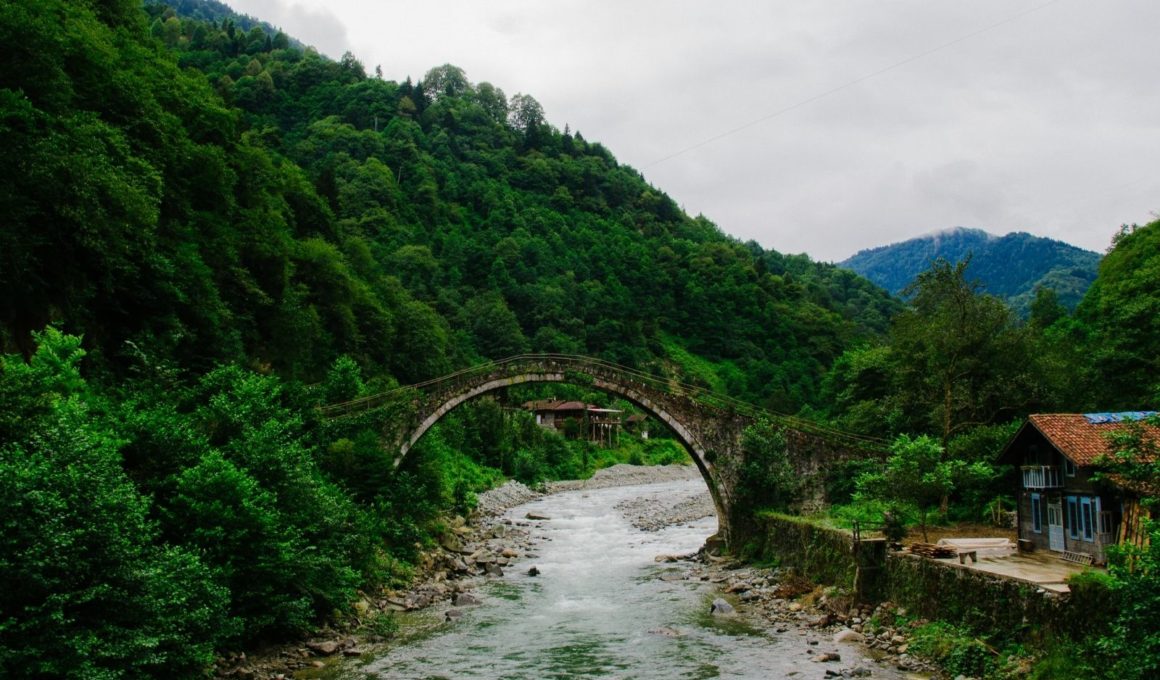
1123 416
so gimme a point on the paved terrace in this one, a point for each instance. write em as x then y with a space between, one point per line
1039 568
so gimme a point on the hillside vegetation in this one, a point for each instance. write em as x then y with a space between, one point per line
209 232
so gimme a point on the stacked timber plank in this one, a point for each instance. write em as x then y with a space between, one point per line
933 551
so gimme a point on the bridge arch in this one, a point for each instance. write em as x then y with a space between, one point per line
709 425
687 438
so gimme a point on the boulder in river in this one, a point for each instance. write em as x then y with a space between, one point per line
324 648
721 608
536 515
465 600
534 571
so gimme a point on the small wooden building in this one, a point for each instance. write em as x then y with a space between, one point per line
597 424
1060 506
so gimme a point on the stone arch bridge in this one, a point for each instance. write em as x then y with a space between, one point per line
709 425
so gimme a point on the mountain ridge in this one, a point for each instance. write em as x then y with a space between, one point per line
1011 266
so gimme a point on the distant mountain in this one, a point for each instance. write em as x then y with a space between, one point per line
1009 267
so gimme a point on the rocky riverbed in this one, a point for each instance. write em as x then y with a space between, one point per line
845 641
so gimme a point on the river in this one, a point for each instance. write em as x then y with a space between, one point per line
602 607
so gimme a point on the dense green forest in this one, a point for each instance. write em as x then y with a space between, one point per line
210 231
1011 267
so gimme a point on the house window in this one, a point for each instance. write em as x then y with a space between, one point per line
1068 468
1087 513
1107 522
1036 513
1072 517
1082 514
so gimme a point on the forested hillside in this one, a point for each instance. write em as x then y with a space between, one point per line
198 194
209 231
1010 267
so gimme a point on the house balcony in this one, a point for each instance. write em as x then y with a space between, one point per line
1041 477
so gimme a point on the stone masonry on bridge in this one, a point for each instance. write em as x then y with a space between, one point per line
710 426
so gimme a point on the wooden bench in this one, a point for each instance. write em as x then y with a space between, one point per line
973 554
1077 557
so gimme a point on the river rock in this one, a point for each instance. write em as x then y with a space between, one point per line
534 571
493 569
465 600
537 516
825 657
721 608
847 635
324 648
453 615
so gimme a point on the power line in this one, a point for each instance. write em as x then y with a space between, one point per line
849 84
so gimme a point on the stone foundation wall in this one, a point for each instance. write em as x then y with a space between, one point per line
1003 609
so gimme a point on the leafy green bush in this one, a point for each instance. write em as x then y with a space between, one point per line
953 648
89 591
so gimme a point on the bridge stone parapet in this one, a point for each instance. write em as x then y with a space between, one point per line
709 425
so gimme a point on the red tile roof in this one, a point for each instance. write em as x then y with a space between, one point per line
573 406
542 404
1082 441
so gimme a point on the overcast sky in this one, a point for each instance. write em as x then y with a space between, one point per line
816 126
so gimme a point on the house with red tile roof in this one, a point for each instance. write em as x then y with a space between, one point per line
1062 505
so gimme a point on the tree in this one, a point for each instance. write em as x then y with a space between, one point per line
343 381
961 360
768 479
1046 308
1132 647
1123 309
494 326
446 81
916 476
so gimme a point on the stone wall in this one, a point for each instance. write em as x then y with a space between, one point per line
813 454
1004 610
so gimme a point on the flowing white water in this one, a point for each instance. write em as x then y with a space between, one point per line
599 608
